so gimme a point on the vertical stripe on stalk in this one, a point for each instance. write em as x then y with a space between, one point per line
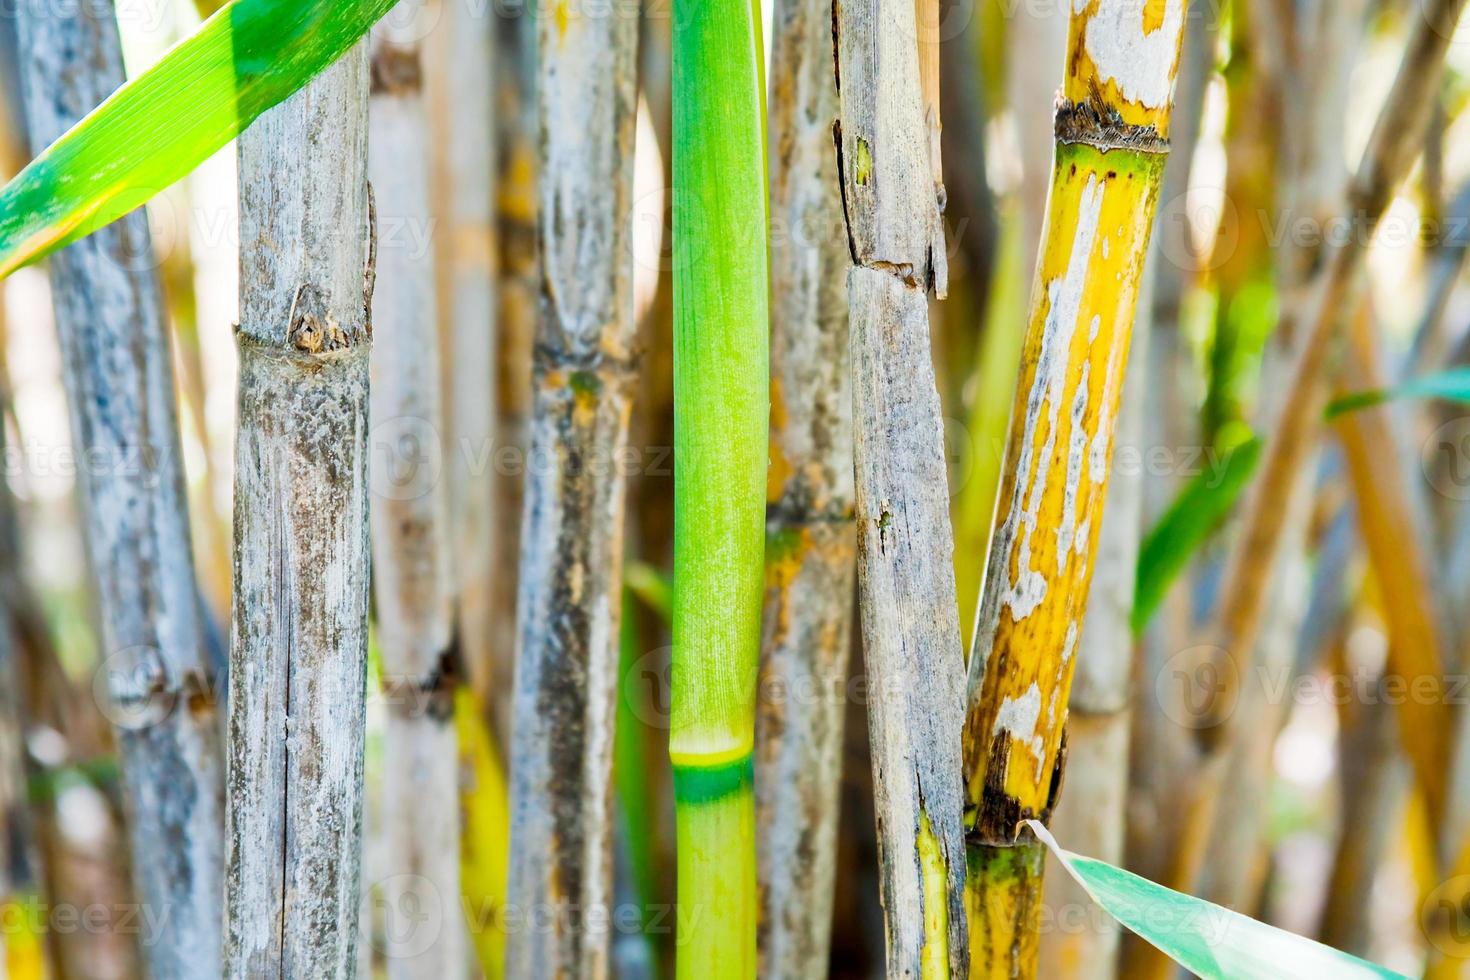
721 414
910 621
572 532
811 542
1112 140
298 662
118 370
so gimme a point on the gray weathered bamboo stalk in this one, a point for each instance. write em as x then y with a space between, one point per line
572 533
464 137
811 543
299 654
120 386
910 621
411 532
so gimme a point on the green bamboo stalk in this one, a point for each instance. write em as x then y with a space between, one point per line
721 405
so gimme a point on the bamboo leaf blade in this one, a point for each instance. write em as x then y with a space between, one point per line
158 127
1195 514
1452 385
1206 939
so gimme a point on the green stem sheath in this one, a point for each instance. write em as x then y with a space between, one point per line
721 414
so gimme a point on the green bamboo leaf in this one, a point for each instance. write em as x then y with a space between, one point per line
1201 506
158 127
1452 385
1210 941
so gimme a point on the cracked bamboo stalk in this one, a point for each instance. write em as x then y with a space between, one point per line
1112 128
111 324
572 531
910 623
810 539
1293 433
410 527
721 440
299 654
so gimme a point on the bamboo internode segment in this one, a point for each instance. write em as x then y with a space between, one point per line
1112 128
572 531
112 326
411 529
810 540
298 663
1051 497
721 418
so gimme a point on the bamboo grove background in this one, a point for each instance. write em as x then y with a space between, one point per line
753 459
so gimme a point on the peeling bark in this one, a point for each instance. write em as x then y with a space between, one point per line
118 372
910 621
572 534
299 655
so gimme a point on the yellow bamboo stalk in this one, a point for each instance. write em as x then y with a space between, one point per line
1112 130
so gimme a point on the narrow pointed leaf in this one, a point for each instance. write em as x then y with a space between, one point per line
1452 385
1201 506
1210 941
158 127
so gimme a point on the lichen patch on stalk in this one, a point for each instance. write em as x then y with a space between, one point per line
1125 56
1067 400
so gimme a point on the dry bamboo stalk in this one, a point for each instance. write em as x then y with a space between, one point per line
1386 160
1395 535
1373 781
463 67
910 621
518 287
810 540
299 656
111 322
1112 129
410 527
1090 817
572 533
